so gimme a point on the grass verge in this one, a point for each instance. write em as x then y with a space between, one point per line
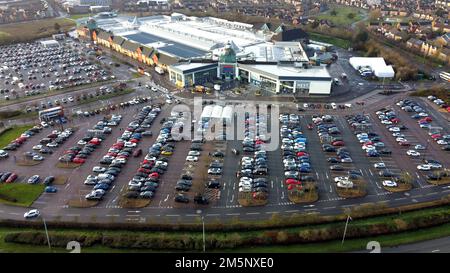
68 165
358 190
309 196
10 134
330 40
19 194
401 187
136 203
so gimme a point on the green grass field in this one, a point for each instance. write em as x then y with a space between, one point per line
28 31
341 18
330 40
12 134
23 194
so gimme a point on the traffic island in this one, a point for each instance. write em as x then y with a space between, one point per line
442 181
307 193
133 203
358 190
401 187
82 203
60 180
27 162
67 165
249 199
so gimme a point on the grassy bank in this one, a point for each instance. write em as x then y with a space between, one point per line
28 31
439 92
20 194
330 40
7 136
358 230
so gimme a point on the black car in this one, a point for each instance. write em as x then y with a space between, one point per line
199 199
186 177
182 187
49 180
333 160
213 184
218 154
386 173
181 198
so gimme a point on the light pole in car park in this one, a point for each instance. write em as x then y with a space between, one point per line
199 212
345 229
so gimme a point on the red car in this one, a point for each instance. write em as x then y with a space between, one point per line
404 143
427 119
291 181
291 187
395 120
11 178
436 136
143 170
134 140
78 160
154 174
302 154
112 154
310 126
337 143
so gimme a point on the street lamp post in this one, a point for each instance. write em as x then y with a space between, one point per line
199 212
46 233
345 229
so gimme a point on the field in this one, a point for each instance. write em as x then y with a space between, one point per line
330 40
343 16
28 31
12 134
20 194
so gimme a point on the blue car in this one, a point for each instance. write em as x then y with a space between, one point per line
101 186
51 189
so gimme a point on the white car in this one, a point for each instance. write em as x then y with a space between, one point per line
191 158
394 129
245 189
413 153
37 147
98 169
81 142
379 165
52 144
341 179
194 153
435 165
245 180
3 154
70 99
401 139
389 183
119 160
130 144
442 142
31 214
345 184
387 122
423 114
398 135
424 167
38 158
419 147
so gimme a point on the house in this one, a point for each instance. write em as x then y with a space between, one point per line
444 55
130 49
428 49
443 40
437 26
292 34
394 34
414 44
403 26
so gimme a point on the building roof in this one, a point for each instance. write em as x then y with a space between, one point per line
290 35
131 46
288 72
104 35
147 51
166 59
192 67
119 40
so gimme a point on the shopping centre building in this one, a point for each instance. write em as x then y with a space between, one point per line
198 50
